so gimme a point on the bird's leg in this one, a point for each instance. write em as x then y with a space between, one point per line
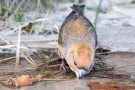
64 65
97 64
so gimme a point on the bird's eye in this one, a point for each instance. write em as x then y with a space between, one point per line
74 12
75 63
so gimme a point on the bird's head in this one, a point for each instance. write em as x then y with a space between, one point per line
80 58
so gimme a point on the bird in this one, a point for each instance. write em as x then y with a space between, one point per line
77 41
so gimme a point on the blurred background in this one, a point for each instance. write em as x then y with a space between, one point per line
57 10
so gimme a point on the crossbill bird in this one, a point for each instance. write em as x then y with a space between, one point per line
77 41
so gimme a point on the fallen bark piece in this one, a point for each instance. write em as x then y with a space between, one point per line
24 80
11 83
111 85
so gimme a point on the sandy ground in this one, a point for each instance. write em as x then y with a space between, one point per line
123 63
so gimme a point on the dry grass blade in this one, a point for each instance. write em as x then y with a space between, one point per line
7 46
11 46
18 49
23 55
42 24
32 61
6 60
15 49
7 10
38 20
39 40
56 27
43 28
16 29
45 47
5 40
18 7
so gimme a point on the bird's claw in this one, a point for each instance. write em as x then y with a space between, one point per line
63 66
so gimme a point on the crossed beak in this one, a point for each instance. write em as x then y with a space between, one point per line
80 73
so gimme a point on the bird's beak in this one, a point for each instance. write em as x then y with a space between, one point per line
80 73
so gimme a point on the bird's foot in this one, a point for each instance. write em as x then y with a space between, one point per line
99 64
64 65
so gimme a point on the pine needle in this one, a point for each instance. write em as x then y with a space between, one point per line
46 65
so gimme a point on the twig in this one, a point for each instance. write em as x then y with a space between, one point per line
55 59
54 66
6 59
45 47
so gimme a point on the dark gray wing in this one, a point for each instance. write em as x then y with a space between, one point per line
70 17
88 25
